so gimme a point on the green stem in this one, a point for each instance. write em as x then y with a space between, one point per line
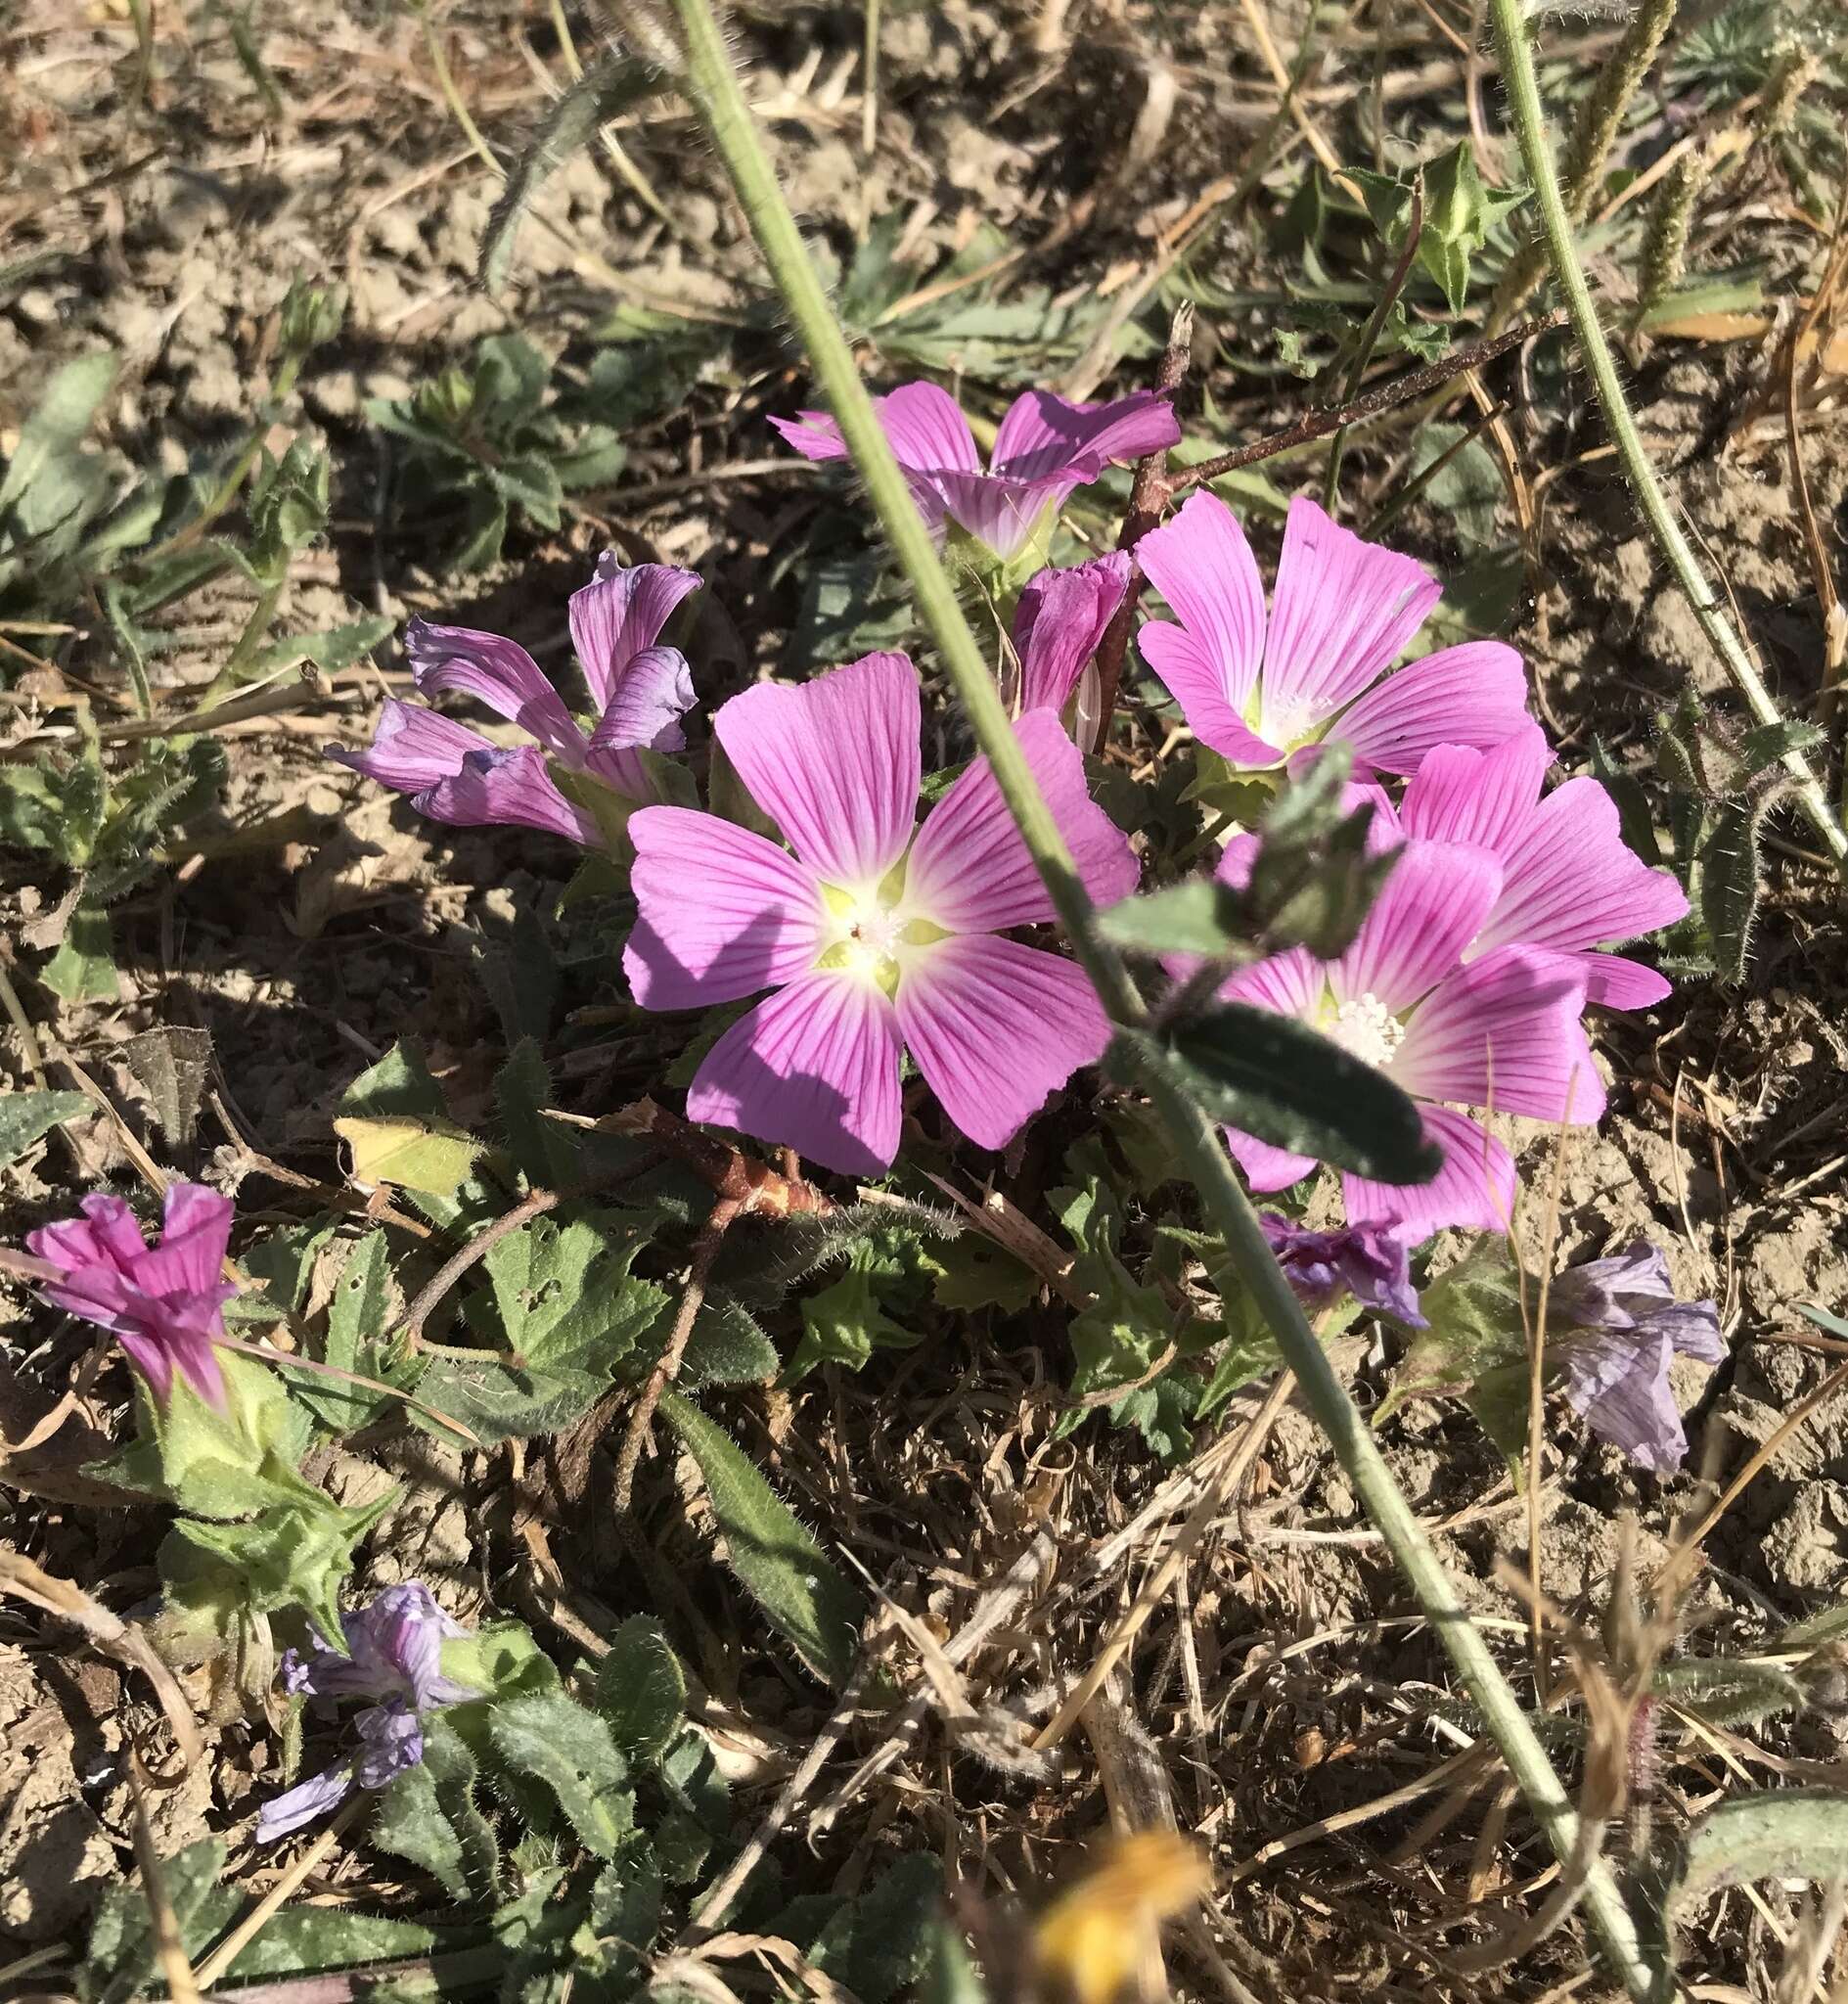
1530 126
713 88
255 630
1370 332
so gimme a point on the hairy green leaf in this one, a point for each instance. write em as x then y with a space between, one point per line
641 1689
1777 1833
27 1116
574 1754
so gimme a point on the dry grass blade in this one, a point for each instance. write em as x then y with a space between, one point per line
170 1950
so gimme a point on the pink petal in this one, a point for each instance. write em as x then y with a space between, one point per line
498 672
1613 983
106 1235
1475 694
1266 1168
1342 613
996 1027
1506 1032
927 430
1573 881
151 1357
970 871
834 762
1200 563
413 747
1191 672
495 788
1431 906
1043 433
1474 1190
813 434
1002 514
618 614
1461 793
814 1067
1291 984
655 692
1059 623
195 1236
723 912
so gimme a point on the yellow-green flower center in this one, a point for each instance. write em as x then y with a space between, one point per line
871 931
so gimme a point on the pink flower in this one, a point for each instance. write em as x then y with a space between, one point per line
1502 1031
1569 882
1255 690
638 691
875 934
1045 450
1057 627
163 1303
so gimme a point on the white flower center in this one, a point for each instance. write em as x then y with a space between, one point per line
872 930
1367 1029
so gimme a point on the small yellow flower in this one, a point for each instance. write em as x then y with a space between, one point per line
1091 1943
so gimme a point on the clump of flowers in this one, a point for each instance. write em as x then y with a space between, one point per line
393 1656
578 783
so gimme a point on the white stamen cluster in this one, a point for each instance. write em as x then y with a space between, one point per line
1363 1026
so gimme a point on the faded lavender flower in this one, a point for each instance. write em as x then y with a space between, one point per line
164 1303
1363 1260
1617 1325
393 1656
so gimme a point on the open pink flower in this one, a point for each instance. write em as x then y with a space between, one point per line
1057 627
1256 689
1046 448
638 691
163 1303
1569 881
875 934
1501 1031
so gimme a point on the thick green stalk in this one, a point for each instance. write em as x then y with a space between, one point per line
1530 126
712 84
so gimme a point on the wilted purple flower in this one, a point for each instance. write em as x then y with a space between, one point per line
393 1656
1617 1325
1366 1261
1046 448
1057 627
638 691
163 1303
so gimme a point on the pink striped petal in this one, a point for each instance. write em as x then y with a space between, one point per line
813 1068
1266 1168
1200 563
996 1027
1043 433
813 434
834 762
927 430
1431 906
1002 513
413 747
723 913
1475 1190
1059 623
1191 672
619 614
499 674
1613 983
1342 613
496 788
1291 984
1506 1032
1461 793
645 711
970 871
194 1235
1475 694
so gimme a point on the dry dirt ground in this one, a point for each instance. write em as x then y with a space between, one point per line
1290 1685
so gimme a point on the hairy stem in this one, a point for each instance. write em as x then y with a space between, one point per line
713 85
1530 126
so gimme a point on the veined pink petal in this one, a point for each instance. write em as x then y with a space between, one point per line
1200 563
1342 613
1573 881
1506 1032
412 748
1475 694
996 1027
1474 1190
1461 793
498 672
1191 672
1613 983
813 434
618 614
1043 433
1266 1168
723 913
655 692
106 1235
997 510
496 788
814 1067
1291 984
927 430
834 762
1429 909
970 871
1059 621
195 1234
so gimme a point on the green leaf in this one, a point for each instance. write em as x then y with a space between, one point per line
1199 916
642 1690
977 1273
777 1560
1729 886
845 1323
1775 1833
429 1815
727 1345
295 1554
1735 1693
879 1944
83 969
28 1117
562 1295
1475 1325
1278 1079
306 1940
574 1754
330 651
396 1123
171 1063
358 1321
45 461
122 1962
544 1150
